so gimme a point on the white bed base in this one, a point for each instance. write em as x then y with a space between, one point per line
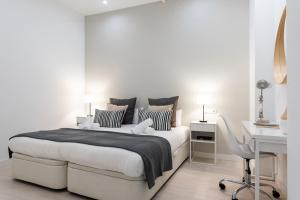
108 185
48 173
90 182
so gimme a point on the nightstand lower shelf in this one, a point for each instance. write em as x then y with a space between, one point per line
204 141
202 157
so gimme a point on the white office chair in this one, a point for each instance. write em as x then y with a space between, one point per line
245 152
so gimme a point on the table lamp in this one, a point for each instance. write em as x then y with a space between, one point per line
89 99
204 101
262 85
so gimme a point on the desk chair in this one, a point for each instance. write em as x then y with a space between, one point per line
245 152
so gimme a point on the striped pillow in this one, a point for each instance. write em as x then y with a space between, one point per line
109 119
161 119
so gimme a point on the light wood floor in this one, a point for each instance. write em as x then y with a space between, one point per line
193 182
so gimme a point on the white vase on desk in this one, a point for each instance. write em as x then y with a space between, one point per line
284 126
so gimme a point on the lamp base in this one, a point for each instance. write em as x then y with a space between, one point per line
203 121
262 121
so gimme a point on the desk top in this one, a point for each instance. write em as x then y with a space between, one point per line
264 133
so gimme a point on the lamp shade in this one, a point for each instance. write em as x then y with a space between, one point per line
204 100
89 99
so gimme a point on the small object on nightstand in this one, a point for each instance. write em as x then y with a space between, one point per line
203 133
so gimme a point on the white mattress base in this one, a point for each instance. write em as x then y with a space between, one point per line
108 185
48 173
107 158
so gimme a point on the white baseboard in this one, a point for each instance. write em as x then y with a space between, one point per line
229 157
4 161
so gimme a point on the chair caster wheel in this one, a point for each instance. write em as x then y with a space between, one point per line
276 194
222 186
235 199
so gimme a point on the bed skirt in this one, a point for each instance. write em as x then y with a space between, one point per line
90 182
48 173
108 185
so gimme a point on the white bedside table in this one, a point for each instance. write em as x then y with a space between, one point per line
203 133
81 120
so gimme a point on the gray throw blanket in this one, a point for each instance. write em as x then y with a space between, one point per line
155 151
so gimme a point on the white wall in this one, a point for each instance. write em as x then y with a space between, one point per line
264 21
262 42
42 67
293 49
184 48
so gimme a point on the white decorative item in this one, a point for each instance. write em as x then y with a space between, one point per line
141 127
149 131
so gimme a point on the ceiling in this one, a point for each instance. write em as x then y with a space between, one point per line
89 7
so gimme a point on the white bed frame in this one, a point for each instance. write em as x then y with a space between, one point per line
48 173
90 182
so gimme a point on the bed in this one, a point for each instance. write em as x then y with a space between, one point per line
93 171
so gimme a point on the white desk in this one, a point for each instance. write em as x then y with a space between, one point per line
264 140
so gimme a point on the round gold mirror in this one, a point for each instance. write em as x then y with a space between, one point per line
280 66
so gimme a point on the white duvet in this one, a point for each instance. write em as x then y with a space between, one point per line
106 158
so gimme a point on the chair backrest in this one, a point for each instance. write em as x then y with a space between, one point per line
233 141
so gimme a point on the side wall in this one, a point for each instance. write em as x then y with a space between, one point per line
264 20
293 49
42 67
186 48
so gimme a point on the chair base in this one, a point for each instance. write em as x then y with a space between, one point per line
247 184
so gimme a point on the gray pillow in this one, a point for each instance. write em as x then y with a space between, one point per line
161 119
109 119
128 118
164 102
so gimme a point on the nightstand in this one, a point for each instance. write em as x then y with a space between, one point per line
82 120
203 133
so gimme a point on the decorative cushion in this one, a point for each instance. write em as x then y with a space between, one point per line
161 119
160 108
128 118
109 119
113 107
164 102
